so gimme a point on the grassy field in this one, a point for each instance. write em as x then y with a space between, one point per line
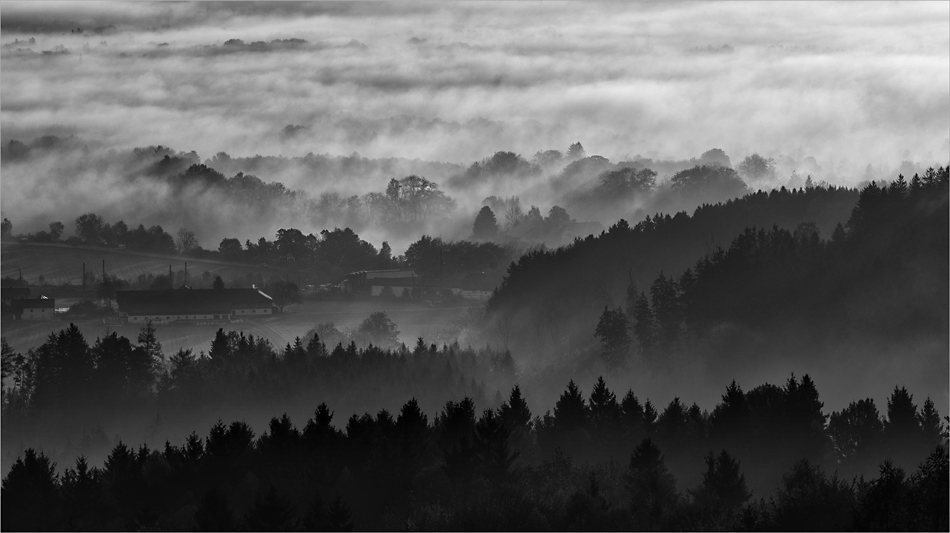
413 319
61 264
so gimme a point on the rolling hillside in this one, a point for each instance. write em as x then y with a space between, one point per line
62 264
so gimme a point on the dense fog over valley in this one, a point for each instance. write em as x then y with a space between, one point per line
511 266
455 85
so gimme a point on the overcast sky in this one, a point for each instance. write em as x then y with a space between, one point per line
848 83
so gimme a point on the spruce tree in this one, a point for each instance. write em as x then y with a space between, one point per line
570 411
486 226
514 412
604 409
150 343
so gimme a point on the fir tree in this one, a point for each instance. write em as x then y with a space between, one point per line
570 411
485 227
603 406
150 343
514 412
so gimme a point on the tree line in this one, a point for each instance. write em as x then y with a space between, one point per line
894 229
91 229
408 204
69 390
332 254
586 185
876 235
502 469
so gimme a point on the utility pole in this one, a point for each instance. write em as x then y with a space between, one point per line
84 278
103 271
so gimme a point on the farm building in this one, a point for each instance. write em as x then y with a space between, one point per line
372 282
406 284
162 306
41 308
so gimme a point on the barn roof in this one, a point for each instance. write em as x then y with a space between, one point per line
190 301
33 303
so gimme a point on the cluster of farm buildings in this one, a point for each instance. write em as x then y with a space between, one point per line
25 308
157 306
186 304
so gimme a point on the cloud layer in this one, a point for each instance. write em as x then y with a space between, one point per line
861 82
849 84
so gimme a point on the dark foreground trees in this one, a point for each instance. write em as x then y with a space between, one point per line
466 470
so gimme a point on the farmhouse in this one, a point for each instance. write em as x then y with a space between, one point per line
374 282
163 306
406 284
41 308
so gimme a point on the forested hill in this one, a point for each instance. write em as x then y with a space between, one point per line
884 274
547 291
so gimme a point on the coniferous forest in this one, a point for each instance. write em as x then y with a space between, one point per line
464 450
474 266
502 469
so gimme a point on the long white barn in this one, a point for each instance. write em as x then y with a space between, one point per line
162 306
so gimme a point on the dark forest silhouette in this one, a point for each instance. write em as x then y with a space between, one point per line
595 464
470 466
893 231
895 240
762 459
67 386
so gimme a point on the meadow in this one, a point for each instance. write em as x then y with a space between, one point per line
414 319
62 264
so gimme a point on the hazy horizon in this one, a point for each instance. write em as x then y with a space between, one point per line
845 83
593 265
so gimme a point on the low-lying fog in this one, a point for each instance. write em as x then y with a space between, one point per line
341 97
846 84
